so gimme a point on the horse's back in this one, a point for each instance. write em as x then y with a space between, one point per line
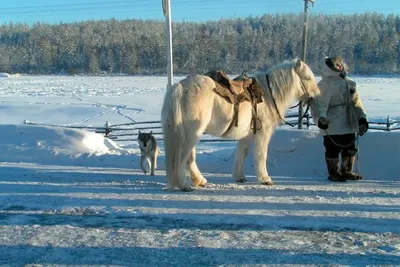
197 82
197 92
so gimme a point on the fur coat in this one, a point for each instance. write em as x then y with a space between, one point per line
339 102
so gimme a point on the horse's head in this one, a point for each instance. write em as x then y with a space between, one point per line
308 88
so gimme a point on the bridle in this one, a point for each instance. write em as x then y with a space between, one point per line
303 87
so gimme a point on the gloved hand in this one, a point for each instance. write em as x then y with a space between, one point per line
362 126
323 123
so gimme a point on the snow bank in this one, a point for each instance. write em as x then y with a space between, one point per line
49 145
300 153
4 75
379 154
292 152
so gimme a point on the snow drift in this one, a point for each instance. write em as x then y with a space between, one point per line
49 145
292 153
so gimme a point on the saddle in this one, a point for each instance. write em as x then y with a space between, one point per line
237 90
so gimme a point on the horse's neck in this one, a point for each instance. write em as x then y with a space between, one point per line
282 98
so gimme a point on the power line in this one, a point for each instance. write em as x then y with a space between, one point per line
68 5
363 10
146 3
108 5
124 7
178 3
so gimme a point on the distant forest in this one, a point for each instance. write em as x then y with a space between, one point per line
368 42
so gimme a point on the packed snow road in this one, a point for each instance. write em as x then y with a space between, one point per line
60 215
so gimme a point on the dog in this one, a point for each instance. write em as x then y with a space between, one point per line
149 151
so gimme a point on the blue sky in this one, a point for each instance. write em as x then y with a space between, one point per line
182 10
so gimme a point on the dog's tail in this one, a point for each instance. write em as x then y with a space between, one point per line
174 134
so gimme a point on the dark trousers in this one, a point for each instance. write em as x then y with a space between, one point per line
340 143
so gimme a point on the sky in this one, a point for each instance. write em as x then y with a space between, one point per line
182 10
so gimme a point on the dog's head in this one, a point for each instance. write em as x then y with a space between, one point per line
145 139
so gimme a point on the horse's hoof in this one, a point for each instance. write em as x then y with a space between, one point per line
202 185
187 189
241 181
268 183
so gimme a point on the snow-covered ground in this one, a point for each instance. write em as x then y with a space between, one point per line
70 197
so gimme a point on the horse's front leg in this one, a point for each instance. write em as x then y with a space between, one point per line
261 144
242 150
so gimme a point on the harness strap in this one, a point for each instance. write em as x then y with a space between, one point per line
235 120
276 106
254 117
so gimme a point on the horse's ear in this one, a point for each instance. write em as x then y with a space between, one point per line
298 64
151 132
304 72
139 132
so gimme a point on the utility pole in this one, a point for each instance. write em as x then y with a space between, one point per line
303 54
166 4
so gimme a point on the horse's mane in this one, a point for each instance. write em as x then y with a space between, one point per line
284 65
281 79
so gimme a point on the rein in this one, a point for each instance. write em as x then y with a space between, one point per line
357 170
276 106
327 134
340 145
335 143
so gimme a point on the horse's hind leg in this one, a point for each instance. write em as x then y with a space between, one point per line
242 149
184 183
195 174
193 131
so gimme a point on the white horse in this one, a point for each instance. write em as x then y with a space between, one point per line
192 108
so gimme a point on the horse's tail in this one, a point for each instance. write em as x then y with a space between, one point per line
174 133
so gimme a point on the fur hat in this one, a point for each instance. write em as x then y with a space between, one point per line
332 62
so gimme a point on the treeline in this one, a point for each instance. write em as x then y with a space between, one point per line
369 43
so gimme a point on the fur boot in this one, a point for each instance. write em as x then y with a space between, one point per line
333 170
347 169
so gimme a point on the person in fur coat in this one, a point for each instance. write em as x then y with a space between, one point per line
340 118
